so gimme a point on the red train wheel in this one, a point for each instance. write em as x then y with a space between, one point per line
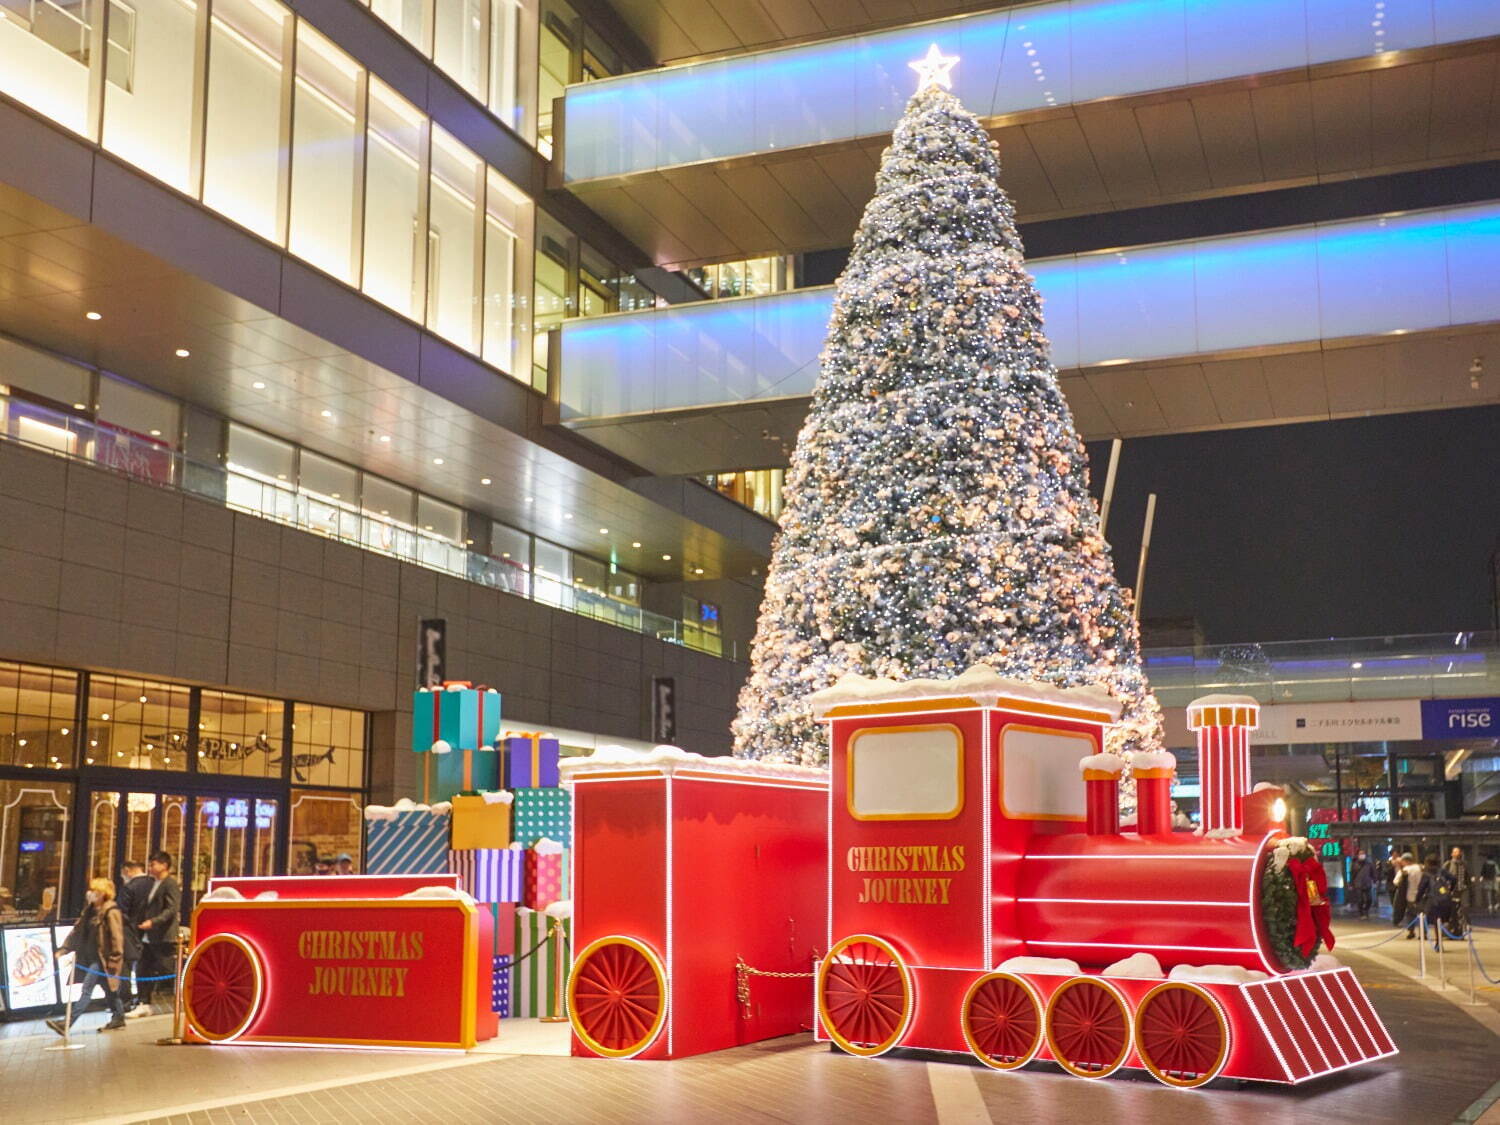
865 995
1002 1021
1181 1034
617 997
223 984
1088 1027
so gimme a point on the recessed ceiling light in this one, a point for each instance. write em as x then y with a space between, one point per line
505 554
92 315
604 531
156 433
182 353
666 558
437 460
336 496
105 716
327 413
567 515
529 499
143 699
258 385
64 730
484 480
385 437
281 476
697 570
635 544
80 406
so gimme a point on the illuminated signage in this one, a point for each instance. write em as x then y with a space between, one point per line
33 845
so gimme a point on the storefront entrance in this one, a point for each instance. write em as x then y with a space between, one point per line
217 831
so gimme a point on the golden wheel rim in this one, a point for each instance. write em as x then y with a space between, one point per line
617 996
223 985
1002 1020
865 995
1181 1034
1088 1027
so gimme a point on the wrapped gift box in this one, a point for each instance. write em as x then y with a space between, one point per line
466 718
529 761
500 986
489 874
461 771
541 813
406 838
546 875
481 820
504 914
533 982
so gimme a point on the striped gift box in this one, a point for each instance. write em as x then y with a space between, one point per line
533 981
489 874
406 841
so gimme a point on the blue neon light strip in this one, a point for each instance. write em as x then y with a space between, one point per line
1399 273
1024 58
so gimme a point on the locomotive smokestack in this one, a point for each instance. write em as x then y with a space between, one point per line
1153 771
1101 783
1223 723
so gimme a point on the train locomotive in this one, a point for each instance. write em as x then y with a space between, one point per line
973 892
983 898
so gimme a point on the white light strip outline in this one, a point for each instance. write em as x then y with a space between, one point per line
1359 1003
1301 1010
986 850
1131 858
1143 946
1348 1031
724 779
1253 900
1271 999
1134 902
671 880
1265 1032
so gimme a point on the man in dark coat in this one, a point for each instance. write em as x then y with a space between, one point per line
1362 882
135 886
158 929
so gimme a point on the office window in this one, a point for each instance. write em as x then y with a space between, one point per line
596 291
624 586
262 473
506 216
552 574
459 41
440 535
559 32
325 154
243 170
393 192
328 496
513 64
148 98
46 50
386 513
34 835
325 825
511 549
136 430
38 709
240 735
452 247
328 746
409 17
137 724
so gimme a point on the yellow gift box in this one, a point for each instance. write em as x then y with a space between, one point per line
481 820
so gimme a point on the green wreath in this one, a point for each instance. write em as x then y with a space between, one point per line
1278 907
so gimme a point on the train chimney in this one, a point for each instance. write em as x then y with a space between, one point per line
1101 783
1223 723
1153 771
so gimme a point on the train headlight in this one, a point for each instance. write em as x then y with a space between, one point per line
1278 810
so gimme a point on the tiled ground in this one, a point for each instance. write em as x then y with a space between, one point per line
1450 1060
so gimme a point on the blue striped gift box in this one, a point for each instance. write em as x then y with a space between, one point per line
489 874
408 842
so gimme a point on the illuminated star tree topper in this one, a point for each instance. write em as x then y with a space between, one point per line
937 507
935 69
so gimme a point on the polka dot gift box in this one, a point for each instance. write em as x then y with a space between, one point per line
541 813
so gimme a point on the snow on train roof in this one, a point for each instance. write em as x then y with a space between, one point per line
670 759
980 683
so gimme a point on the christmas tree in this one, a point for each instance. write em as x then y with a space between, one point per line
937 508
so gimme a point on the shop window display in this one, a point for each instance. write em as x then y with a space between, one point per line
34 834
137 724
324 825
37 715
240 735
328 746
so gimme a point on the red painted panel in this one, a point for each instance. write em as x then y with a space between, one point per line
918 883
365 972
619 861
333 886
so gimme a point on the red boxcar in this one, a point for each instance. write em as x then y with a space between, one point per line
682 867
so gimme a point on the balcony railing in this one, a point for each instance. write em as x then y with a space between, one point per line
154 462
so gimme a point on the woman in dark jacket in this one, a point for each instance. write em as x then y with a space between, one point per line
1435 899
98 942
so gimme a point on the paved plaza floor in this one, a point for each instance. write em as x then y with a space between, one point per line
1448 1071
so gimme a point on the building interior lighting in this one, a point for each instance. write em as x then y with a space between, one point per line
327 413
635 545
92 315
385 437
484 480
80 406
258 385
437 460
604 531
567 515
666 558
182 353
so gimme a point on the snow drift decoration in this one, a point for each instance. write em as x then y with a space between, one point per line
1140 965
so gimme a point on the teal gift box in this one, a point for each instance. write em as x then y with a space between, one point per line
466 718
536 814
462 771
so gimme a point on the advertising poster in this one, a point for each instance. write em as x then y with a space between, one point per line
29 978
60 935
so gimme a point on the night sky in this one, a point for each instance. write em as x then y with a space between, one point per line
1365 527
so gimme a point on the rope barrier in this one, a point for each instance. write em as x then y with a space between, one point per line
1474 953
111 976
532 951
1383 941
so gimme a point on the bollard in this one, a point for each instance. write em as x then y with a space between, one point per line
67 1043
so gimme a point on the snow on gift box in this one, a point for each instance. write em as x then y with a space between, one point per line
546 877
407 838
530 760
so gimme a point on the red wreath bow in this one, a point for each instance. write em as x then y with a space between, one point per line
1313 910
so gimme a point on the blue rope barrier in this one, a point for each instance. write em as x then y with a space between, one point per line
111 976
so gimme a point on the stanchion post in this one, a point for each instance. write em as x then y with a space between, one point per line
1473 994
1442 964
559 974
67 1043
1422 946
177 1037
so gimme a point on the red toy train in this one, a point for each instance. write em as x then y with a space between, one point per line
977 895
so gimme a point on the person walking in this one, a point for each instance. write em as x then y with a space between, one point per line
1404 891
1458 868
1435 898
1489 878
1362 880
135 886
97 943
158 929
